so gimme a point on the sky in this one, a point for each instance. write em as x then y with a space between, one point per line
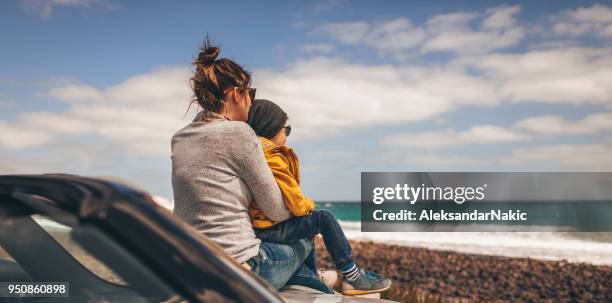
98 87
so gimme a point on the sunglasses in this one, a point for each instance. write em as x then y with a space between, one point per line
287 130
250 90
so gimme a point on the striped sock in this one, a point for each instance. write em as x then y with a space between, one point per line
351 272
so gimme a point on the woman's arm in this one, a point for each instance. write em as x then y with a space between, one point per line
254 171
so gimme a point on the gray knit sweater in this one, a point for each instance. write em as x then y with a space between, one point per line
218 169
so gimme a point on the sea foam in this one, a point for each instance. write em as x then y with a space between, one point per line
553 245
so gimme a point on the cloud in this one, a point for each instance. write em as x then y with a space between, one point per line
328 160
495 28
393 36
557 157
138 115
317 48
563 76
331 93
324 96
438 148
45 8
18 137
594 20
556 125
454 33
521 131
329 96
593 157
56 123
91 157
500 17
479 62
75 93
482 134
346 32
421 161
474 32
451 21
492 134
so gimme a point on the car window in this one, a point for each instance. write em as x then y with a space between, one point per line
104 268
49 246
61 234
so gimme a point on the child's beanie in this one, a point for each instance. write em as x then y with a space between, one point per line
266 118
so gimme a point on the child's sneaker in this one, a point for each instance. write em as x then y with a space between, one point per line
365 283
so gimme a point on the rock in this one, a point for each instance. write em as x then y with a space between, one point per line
456 276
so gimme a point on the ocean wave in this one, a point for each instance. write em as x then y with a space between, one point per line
553 245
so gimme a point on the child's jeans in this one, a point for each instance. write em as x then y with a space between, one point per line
318 222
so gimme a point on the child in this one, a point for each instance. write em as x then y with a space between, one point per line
268 121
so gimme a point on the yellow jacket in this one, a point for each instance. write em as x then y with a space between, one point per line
286 170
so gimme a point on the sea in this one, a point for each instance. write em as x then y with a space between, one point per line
556 245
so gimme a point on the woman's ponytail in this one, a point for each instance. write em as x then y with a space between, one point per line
212 77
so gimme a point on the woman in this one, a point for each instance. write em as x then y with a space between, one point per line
218 169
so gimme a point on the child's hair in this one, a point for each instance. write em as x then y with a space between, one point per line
213 77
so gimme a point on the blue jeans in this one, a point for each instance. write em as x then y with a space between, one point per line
281 264
318 222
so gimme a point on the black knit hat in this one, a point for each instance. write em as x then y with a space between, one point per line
266 118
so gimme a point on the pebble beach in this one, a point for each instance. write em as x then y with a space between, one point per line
460 277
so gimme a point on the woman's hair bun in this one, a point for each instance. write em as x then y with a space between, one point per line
208 55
